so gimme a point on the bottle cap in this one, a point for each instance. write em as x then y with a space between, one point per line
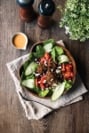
25 3
46 7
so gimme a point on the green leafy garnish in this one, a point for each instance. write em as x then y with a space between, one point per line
36 90
59 50
31 56
53 54
56 51
68 84
39 51
49 41
43 93
76 19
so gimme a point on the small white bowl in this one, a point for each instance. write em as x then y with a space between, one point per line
26 41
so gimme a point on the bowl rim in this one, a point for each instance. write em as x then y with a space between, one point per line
26 38
70 57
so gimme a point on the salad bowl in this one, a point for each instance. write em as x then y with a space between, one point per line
50 71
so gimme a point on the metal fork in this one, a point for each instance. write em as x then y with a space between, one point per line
27 99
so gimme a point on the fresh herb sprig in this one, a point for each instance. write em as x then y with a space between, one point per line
76 19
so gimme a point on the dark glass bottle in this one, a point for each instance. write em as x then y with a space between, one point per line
46 9
26 10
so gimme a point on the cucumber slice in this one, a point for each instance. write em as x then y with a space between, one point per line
63 58
29 83
58 91
31 68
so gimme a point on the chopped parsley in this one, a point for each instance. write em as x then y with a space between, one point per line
76 19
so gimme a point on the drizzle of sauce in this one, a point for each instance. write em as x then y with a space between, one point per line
19 41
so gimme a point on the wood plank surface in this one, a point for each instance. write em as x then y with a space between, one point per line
71 119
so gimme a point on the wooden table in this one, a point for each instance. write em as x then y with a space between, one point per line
71 119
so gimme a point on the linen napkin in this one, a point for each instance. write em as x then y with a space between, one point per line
37 110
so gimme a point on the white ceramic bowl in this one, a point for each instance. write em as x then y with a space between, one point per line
25 43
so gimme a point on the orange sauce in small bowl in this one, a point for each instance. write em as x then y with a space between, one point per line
20 41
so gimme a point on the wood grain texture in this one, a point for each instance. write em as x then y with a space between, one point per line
71 119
